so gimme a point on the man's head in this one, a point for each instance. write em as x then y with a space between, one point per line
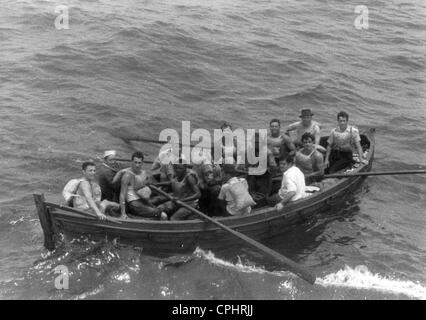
226 126
342 119
287 163
308 139
229 171
109 157
137 160
89 170
207 172
306 116
180 166
274 127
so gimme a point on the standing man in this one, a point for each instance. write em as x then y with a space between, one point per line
305 125
106 173
342 141
280 145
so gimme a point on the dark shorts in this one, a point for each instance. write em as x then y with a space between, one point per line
273 200
177 213
142 209
339 160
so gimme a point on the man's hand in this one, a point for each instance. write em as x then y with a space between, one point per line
279 206
101 216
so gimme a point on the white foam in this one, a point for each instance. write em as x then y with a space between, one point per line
361 278
357 278
237 266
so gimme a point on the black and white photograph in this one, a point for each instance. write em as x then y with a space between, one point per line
212 154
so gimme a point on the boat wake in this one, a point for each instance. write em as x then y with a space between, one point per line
351 278
362 278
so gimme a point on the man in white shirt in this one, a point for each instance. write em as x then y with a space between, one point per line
292 186
234 195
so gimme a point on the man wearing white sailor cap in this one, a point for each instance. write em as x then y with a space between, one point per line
106 173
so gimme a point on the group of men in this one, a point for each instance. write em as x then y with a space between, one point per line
218 190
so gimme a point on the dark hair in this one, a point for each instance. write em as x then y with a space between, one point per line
275 120
225 125
229 169
342 114
289 159
308 135
87 164
137 154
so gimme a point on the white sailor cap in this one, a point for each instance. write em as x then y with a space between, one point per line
109 153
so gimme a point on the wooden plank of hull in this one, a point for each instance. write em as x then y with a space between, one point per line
184 236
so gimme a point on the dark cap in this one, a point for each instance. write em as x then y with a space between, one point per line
306 112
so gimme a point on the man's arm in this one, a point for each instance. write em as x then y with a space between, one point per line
317 134
194 186
292 127
357 140
125 180
287 197
290 145
118 176
318 164
327 153
85 187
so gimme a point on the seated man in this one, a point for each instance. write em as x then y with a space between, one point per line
88 193
308 159
292 185
106 173
134 193
185 188
163 163
210 188
305 125
234 194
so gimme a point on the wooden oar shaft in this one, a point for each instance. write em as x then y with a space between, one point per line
363 174
129 160
377 173
290 265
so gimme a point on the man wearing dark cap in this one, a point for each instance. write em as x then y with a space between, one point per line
305 125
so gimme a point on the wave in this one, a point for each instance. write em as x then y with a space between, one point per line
355 278
362 278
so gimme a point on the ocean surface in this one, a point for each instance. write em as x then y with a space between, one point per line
148 65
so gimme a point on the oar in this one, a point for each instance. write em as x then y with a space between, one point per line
125 160
128 136
362 174
374 173
289 264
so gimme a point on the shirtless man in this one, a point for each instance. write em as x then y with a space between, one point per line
279 145
185 188
88 194
305 125
134 191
